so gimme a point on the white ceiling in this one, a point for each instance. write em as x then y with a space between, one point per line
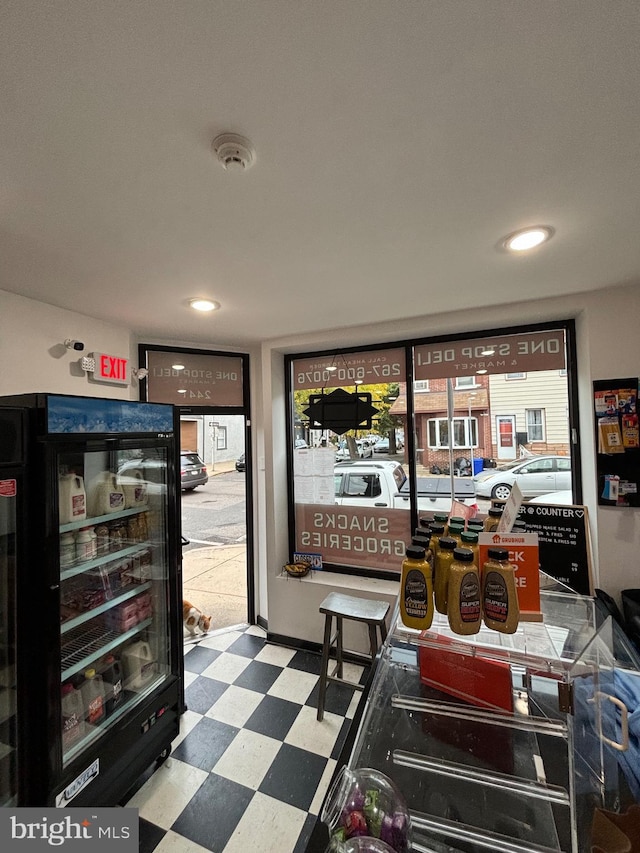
397 141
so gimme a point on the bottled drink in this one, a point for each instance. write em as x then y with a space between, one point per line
72 716
492 520
93 697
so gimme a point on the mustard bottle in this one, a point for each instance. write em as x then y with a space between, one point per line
492 520
444 558
499 592
437 530
463 594
455 532
442 518
416 590
470 540
476 525
457 520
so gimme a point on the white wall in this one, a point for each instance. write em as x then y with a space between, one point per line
34 358
607 343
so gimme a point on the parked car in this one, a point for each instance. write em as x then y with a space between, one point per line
193 471
564 498
364 448
381 446
240 463
300 443
536 475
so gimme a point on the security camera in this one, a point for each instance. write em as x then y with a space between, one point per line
78 346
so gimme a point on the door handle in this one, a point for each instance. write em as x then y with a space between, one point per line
378 504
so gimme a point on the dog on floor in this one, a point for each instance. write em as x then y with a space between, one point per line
194 620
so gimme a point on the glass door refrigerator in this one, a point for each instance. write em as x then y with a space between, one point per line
95 647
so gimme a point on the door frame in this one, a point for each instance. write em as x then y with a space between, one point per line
213 409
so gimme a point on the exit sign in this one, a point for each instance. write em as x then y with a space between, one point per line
110 368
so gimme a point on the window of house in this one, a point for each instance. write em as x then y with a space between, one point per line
510 376
535 424
221 438
465 382
465 432
421 385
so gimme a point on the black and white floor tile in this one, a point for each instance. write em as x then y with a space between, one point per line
251 765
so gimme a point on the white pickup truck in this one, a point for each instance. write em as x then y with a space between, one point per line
385 484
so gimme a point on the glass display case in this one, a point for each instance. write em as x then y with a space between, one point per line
516 742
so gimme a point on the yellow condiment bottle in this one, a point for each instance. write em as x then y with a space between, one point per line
416 590
492 520
437 530
444 558
470 540
442 518
463 596
455 532
499 593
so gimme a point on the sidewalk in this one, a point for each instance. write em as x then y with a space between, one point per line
215 581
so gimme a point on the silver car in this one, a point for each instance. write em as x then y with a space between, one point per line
536 475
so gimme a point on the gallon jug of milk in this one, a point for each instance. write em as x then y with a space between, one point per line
104 494
93 697
111 671
138 664
72 716
72 498
134 487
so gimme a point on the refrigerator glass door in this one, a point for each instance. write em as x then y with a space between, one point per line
114 587
8 568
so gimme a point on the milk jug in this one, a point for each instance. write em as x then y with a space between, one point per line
104 495
72 716
135 489
139 664
111 672
72 498
93 697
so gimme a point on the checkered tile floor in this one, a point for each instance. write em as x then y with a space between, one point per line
251 761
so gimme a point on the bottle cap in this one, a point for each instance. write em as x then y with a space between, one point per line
437 529
469 536
455 528
447 544
425 522
494 512
456 519
500 554
415 552
421 541
464 555
440 517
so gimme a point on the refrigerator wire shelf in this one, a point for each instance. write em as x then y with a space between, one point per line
83 642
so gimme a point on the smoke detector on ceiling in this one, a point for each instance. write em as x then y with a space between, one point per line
234 153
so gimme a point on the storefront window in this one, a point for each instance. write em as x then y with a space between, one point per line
359 487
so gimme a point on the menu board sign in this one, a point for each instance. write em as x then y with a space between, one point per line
563 538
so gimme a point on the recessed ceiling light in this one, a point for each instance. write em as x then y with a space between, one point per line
331 367
528 238
182 390
482 371
177 366
488 351
200 304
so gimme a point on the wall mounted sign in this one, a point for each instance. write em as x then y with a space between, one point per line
511 353
615 403
107 368
202 379
334 371
340 411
